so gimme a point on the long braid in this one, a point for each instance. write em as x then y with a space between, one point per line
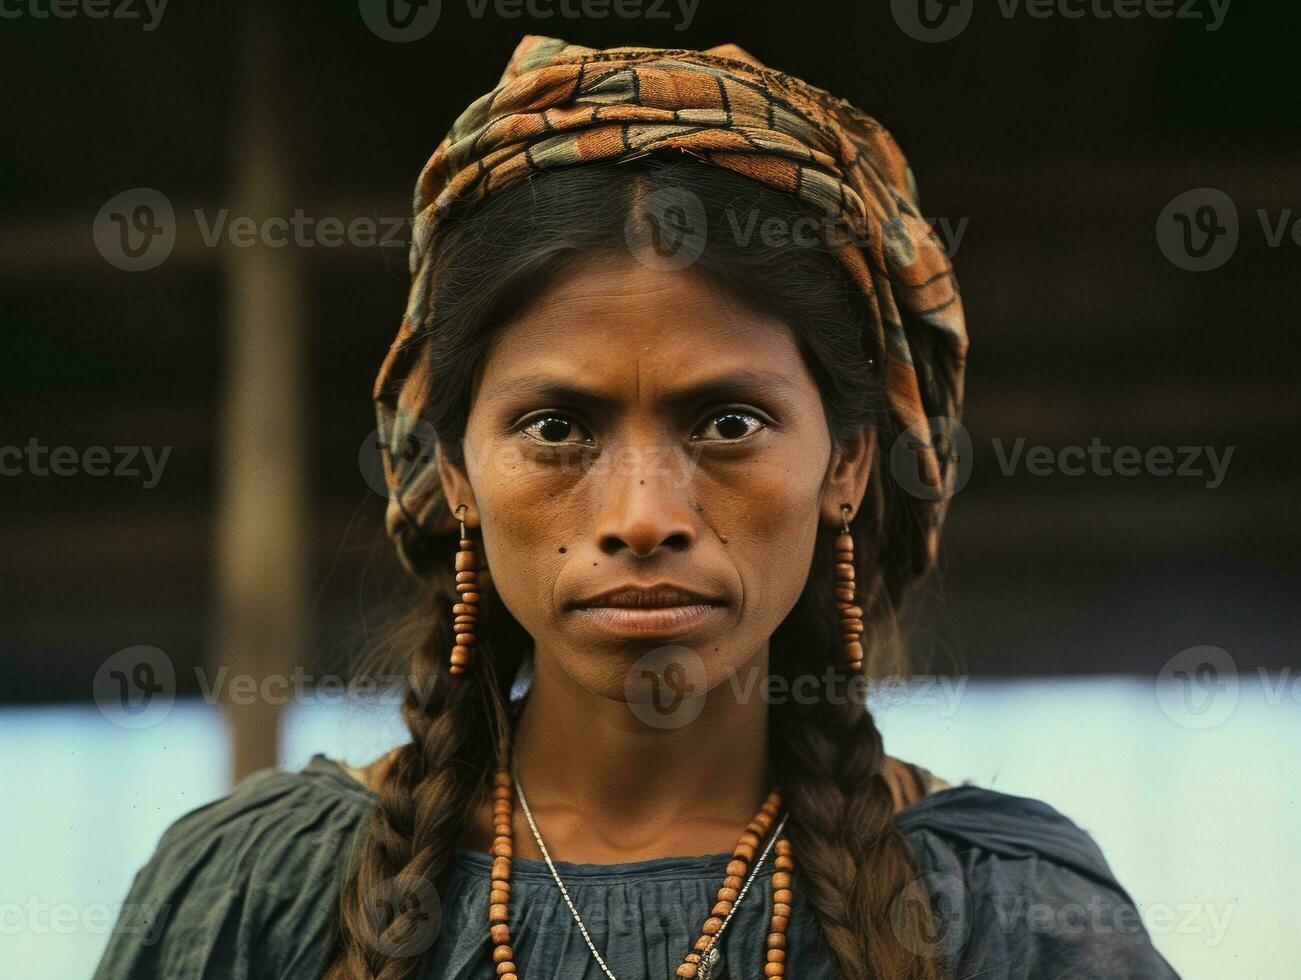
429 795
855 866
829 759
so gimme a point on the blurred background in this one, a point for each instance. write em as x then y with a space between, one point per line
202 245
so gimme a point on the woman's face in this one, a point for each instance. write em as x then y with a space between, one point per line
638 427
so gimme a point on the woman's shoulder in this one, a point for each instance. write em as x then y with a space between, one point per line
268 816
1021 890
243 886
976 817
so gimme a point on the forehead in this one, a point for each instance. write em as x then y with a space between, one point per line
614 321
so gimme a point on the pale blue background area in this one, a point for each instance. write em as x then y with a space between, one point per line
82 804
1201 826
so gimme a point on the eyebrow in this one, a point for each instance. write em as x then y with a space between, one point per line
733 385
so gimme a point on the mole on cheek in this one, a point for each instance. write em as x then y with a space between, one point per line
562 550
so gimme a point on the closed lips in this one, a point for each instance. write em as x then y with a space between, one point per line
649 612
656 596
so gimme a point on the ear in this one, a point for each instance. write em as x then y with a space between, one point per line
847 475
457 490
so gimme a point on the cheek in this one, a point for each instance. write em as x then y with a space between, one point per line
771 527
524 526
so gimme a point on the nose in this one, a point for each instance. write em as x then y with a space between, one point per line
646 503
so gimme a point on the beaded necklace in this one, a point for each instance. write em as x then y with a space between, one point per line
703 961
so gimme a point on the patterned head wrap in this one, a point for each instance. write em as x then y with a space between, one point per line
561 104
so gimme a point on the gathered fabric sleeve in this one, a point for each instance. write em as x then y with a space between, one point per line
1022 893
243 888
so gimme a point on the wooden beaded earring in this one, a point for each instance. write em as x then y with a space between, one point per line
465 612
851 615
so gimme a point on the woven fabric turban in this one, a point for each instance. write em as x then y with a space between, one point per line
561 105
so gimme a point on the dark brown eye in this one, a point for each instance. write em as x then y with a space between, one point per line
734 424
555 429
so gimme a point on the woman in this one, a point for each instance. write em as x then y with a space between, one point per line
670 313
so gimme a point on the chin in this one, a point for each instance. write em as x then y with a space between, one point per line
650 673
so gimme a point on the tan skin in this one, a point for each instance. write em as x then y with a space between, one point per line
719 490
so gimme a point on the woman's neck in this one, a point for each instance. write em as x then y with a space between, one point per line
609 784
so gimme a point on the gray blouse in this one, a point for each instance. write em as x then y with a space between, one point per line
245 888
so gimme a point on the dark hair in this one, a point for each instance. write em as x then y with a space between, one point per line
854 864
